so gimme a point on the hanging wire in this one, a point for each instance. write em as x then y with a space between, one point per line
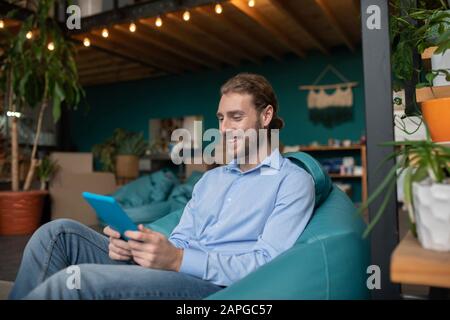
399 122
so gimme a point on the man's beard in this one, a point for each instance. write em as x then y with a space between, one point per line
244 148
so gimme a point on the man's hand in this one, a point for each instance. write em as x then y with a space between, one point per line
151 249
118 248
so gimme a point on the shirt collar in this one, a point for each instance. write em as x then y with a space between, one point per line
272 161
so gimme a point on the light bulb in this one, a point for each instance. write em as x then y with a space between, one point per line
2 24
251 3
86 42
186 16
51 46
29 35
105 33
158 22
218 8
132 27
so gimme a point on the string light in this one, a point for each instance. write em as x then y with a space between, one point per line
86 42
51 46
186 16
29 35
158 22
105 33
13 114
2 24
132 27
218 8
251 3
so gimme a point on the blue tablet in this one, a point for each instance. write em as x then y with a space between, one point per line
109 210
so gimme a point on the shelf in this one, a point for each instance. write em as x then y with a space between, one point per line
412 264
330 148
428 93
344 176
360 148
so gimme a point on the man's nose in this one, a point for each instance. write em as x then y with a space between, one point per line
224 126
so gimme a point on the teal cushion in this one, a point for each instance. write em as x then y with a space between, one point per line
147 189
194 177
321 179
166 224
149 212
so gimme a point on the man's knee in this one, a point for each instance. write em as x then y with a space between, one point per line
58 226
53 229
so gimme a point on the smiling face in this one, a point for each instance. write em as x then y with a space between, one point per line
237 112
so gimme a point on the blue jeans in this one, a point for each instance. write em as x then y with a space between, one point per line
46 272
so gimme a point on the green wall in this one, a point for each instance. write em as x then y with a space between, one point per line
131 104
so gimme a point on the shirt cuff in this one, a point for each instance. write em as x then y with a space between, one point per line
194 262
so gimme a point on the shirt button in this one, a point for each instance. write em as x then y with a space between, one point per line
229 199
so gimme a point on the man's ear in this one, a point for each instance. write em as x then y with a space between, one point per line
266 116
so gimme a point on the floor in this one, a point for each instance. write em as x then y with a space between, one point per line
11 248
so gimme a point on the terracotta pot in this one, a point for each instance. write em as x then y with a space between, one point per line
437 116
127 166
21 212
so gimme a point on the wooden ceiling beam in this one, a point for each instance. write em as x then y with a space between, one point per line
335 23
297 20
218 39
199 33
166 41
268 25
126 75
189 41
82 67
238 31
116 51
116 43
156 53
145 38
126 70
112 67
94 57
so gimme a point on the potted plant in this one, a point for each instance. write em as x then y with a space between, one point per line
37 71
414 29
46 170
426 190
128 154
106 151
120 153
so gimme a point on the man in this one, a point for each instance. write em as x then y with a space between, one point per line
238 219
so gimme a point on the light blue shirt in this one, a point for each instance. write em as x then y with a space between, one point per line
237 221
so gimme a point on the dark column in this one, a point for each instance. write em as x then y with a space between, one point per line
379 128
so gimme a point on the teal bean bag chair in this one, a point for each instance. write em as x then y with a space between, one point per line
155 195
328 261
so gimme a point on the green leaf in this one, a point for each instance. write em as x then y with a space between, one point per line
380 210
59 91
58 97
430 77
56 108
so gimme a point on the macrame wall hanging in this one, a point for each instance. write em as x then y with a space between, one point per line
333 108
